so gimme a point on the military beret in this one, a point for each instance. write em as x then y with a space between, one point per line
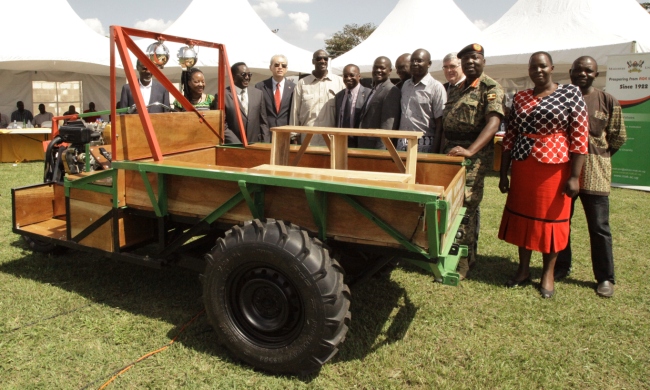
474 47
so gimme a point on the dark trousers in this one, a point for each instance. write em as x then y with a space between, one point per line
597 212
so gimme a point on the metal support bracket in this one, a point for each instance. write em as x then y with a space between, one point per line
318 205
256 204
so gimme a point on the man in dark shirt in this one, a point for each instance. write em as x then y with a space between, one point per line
21 115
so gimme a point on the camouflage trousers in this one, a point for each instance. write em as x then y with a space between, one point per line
474 179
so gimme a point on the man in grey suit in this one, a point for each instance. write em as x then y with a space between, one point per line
350 101
382 110
251 108
278 94
152 91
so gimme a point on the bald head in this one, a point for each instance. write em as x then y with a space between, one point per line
420 63
403 66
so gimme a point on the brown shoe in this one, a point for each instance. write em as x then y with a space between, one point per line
605 289
463 268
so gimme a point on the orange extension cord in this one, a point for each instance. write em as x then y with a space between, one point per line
145 356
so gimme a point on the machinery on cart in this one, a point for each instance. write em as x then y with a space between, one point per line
263 223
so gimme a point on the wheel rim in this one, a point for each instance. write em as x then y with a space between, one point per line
265 306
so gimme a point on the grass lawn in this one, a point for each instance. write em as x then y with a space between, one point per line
70 321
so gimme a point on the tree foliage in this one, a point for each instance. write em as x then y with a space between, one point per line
348 38
646 6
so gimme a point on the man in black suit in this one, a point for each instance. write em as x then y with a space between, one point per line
152 91
278 93
350 101
251 108
382 110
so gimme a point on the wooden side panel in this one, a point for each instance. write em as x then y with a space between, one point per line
91 197
82 214
54 228
59 201
455 195
136 193
34 204
135 229
176 132
205 156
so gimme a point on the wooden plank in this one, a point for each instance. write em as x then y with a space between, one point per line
301 151
82 214
184 131
326 174
53 228
355 132
393 154
59 201
339 149
134 229
34 204
455 195
412 157
280 149
91 197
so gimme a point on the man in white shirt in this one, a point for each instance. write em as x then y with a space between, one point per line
43 116
423 100
152 91
453 71
313 98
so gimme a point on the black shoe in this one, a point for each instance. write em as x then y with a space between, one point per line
605 289
561 273
512 283
546 293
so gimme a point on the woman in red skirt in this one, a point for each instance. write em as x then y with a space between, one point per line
546 141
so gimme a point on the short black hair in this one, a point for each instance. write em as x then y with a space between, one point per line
236 65
544 53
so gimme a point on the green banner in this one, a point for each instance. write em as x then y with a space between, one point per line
628 80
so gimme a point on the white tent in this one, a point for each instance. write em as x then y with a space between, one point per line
438 26
567 29
246 36
54 45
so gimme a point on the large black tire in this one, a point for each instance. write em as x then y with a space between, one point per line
43 246
275 297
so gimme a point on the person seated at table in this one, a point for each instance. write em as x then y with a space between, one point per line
4 121
193 85
91 108
43 116
71 111
21 115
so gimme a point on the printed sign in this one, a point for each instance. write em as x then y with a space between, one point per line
628 80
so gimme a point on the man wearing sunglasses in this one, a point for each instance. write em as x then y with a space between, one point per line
313 98
278 93
251 108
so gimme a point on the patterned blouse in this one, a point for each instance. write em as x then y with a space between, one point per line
549 128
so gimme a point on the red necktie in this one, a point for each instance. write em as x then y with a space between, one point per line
277 98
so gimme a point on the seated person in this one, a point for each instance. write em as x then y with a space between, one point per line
4 121
91 108
193 84
43 116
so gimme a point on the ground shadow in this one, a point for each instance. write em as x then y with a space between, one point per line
174 295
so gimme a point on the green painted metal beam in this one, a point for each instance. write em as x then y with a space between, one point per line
385 227
152 196
253 195
318 205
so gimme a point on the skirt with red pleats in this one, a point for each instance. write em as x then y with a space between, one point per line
537 213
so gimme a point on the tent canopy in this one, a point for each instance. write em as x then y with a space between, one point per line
567 29
247 38
438 26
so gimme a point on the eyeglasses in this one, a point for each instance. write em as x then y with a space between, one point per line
245 74
280 65
450 67
321 58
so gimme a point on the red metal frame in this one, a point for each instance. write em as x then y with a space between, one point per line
121 39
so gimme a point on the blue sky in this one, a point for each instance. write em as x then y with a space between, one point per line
304 23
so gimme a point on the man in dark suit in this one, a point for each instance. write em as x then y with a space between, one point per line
278 94
382 110
251 108
350 101
152 91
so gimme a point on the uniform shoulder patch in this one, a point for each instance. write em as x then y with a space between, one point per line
491 96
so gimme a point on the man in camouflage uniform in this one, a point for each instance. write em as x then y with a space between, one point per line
471 117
